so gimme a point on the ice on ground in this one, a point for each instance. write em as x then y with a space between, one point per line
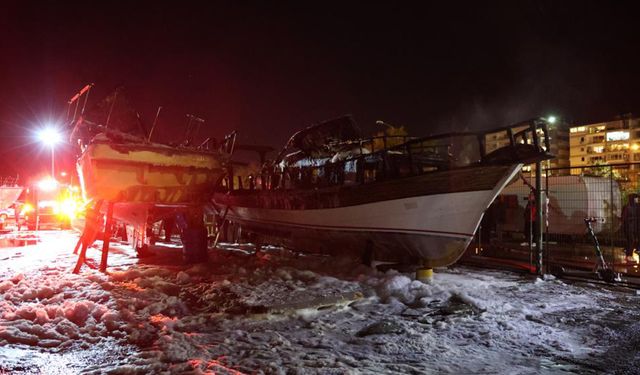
279 312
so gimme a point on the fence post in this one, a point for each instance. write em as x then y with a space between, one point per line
539 218
611 214
546 220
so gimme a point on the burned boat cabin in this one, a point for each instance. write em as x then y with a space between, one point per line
331 155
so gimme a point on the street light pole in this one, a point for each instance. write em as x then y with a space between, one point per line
50 136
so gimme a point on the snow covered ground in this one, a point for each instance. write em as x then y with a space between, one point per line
279 312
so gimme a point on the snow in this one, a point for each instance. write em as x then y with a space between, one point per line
280 312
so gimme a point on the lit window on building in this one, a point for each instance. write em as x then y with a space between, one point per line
577 129
618 147
617 157
617 136
597 129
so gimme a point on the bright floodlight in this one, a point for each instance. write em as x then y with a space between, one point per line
50 136
552 119
47 184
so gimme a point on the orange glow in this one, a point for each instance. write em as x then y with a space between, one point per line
131 286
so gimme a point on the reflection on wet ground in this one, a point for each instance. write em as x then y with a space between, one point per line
23 359
18 239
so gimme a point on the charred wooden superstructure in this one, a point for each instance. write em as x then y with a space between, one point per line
391 198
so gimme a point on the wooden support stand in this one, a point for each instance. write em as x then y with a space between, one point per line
107 238
89 233
75 249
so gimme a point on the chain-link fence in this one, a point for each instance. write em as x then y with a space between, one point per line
605 194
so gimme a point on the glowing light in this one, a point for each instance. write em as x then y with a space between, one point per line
635 147
47 184
69 207
26 209
50 136
552 119
63 174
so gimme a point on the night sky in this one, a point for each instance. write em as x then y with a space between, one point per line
268 69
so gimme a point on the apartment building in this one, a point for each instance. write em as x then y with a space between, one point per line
611 142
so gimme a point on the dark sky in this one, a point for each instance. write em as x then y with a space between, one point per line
267 69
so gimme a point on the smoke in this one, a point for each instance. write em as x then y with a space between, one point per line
546 79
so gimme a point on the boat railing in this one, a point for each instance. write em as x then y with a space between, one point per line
9 181
409 160
524 142
374 144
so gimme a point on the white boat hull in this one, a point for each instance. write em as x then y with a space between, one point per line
435 228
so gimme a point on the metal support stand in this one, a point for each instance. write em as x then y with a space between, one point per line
139 241
220 227
194 236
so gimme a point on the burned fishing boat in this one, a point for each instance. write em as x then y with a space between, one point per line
140 181
399 199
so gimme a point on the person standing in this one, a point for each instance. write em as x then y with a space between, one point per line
530 218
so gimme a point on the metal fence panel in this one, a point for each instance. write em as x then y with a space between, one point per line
570 195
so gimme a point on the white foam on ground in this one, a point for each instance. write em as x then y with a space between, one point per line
278 312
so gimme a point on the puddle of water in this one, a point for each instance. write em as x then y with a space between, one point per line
17 242
104 356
